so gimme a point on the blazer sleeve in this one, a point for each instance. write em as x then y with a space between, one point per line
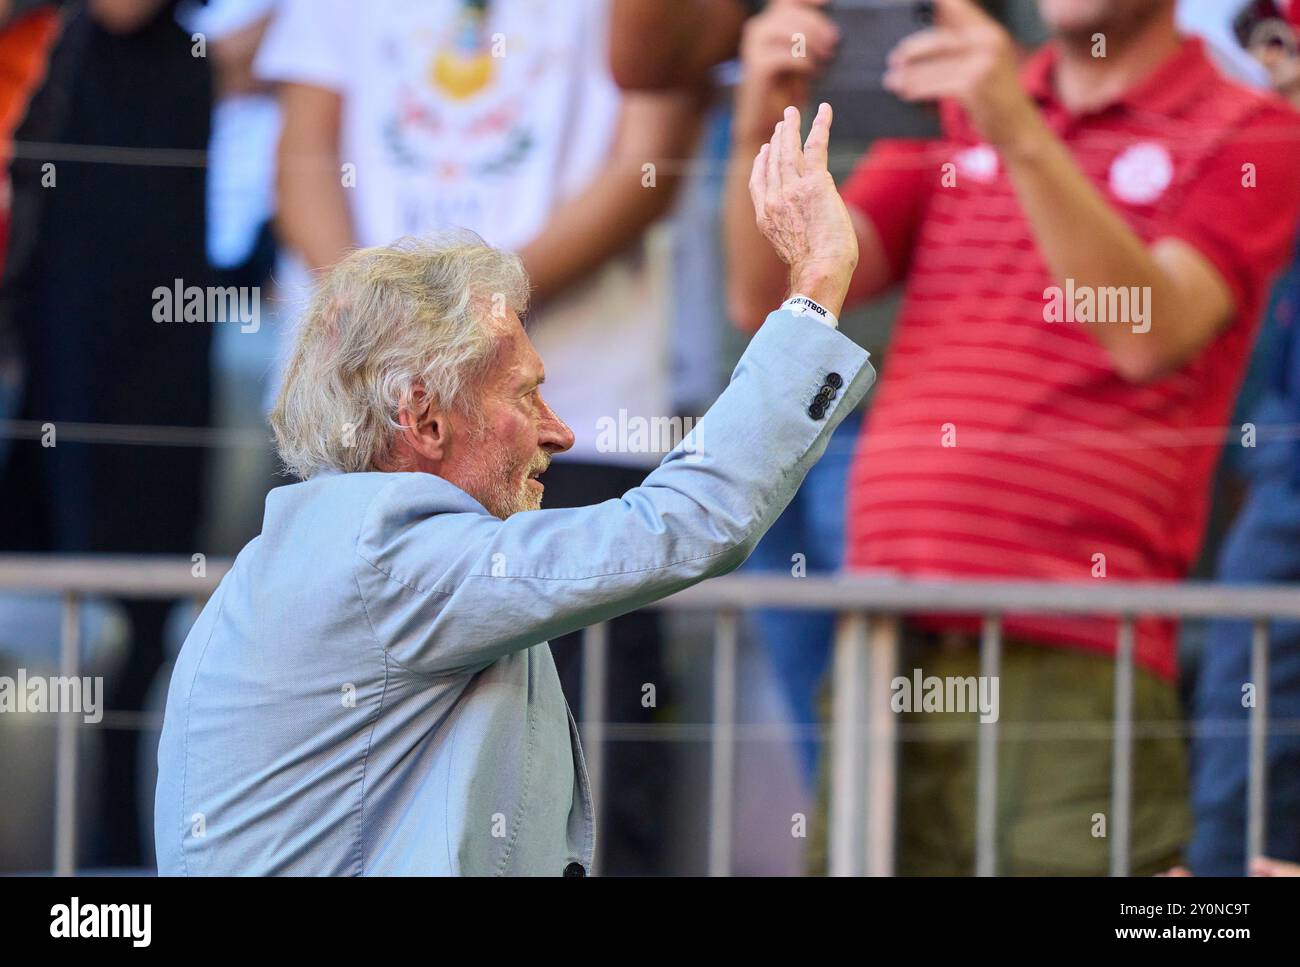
450 592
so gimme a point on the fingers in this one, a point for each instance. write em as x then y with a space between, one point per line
774 159
783 159
924 58
926 45
779 26
815 149
791 156
758 183
960 13
931 81
791 37
1263 866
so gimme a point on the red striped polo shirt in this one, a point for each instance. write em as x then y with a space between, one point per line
1002 445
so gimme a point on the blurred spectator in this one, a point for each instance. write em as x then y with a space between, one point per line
107 211
245 128
26 32
504 118
1263 546
1214 21
241 247
1006 442
1267 29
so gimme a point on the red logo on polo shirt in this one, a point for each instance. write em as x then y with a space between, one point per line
1141 173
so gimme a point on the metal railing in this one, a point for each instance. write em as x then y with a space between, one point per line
864 730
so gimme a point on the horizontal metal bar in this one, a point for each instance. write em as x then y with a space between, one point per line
167 577
109 574
891 596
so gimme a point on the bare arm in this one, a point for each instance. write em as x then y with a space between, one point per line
775 79
657 44
1082 238
620 202
232 59
756 277
313 216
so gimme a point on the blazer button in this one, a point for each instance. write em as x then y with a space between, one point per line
817 410
826 393
575 869
834 379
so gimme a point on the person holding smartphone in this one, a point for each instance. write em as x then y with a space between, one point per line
1013 437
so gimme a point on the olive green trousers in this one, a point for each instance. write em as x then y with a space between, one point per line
1055 714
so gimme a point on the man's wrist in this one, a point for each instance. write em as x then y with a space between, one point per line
801 305
827 288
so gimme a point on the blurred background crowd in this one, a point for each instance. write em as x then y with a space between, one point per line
248 143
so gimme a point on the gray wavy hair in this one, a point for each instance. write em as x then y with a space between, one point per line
382 322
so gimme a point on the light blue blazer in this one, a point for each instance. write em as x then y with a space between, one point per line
370 689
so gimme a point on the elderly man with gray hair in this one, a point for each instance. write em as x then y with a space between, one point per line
369 690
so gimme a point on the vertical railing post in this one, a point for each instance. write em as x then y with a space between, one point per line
65 759
723 767
1121 779
595 679
1257 791
986 797
882 753
848 747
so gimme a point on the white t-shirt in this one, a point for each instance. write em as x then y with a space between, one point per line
491 120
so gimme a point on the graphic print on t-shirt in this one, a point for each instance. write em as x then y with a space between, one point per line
461 118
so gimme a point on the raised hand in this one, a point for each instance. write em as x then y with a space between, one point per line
800 212
969 58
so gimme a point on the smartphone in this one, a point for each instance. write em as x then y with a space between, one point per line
852 81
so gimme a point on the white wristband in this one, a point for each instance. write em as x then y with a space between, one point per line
802 305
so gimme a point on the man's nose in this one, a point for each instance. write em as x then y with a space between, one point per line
556 437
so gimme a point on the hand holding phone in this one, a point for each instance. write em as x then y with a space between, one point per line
971 60
853 80
781 50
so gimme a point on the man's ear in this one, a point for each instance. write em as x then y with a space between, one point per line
425 433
